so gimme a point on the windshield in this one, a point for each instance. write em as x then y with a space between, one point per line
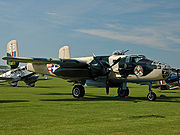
137 58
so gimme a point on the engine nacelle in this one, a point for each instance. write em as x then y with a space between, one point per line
38 68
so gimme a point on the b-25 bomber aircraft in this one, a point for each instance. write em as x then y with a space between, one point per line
109 71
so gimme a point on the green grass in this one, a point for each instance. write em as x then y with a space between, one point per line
50 109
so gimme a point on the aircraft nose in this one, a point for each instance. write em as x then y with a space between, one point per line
166 73
166 69
161 65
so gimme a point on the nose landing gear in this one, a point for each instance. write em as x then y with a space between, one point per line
151 95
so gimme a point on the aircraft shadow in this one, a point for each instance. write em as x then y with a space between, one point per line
107 98
7 85
147 116
12 101
2 84
55 94
168 92
43 87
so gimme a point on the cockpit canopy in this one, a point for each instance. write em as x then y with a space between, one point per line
142 60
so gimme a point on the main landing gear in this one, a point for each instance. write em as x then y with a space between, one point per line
13 84
123 90
78 91
151 95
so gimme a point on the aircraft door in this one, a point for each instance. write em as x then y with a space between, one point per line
126 66
122 66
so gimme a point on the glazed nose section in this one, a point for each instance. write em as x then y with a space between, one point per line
166 69
161 65
166 73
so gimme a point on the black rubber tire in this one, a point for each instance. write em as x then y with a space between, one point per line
123 93
151 98
127 92
13 84
78 91
32 85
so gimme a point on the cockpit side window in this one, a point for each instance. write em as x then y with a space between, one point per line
138 59
128 59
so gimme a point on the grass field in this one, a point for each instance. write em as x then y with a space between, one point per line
50 109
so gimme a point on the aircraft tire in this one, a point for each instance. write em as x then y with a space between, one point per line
78 91
13 84
123 93
32 84
151 98
127 92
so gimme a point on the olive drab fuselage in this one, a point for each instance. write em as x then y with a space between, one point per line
133 68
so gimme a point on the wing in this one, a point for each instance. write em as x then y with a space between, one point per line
61 62
3 79
175 70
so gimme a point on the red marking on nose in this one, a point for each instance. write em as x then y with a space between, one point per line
125 65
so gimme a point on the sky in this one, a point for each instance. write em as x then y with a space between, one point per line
41 27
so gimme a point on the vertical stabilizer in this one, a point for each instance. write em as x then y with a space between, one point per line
12 51
64 52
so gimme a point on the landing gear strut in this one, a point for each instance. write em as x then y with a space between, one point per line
78 91
123 90
151 95
14 84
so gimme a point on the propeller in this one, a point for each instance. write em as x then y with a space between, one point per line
115 62
106 70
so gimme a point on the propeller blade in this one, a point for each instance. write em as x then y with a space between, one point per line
116 61
107 86
95 58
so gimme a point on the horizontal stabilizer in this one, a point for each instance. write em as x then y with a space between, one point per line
174 87
6 79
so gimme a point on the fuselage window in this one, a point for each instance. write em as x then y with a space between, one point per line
127 59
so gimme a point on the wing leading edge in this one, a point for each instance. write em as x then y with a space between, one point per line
62 62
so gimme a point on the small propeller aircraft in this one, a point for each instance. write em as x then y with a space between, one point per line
108 71
171 83
19 74
14 74
4 69
174 76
